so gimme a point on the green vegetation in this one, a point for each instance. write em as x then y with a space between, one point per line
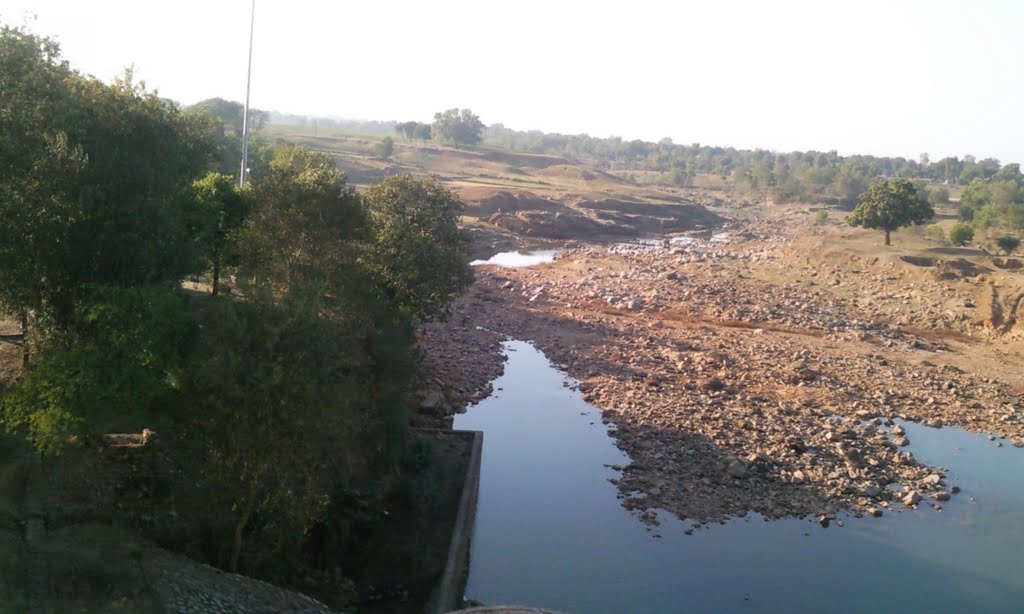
414 130
938 195
961 234
1008 244
417 244
219 208
821 217
994 203
385 148
890 205
935 232
284 402
458 126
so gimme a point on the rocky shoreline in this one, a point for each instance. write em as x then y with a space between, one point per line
742 378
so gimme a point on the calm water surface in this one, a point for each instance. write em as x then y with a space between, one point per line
551 533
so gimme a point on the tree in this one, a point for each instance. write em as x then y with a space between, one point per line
938 196
92 183
423 132
220 207
34 155
407 128
461 127
890 205
285 407
418 252
306 223
1008 244
220 121
961 234
385 148
231 114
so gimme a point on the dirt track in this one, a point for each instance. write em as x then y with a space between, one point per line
762 374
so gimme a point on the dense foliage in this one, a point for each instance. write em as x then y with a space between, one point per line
961 234
890 205
460 127
418 252
279 399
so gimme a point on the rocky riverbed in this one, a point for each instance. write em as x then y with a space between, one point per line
763 373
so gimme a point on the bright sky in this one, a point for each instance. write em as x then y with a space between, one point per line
885 78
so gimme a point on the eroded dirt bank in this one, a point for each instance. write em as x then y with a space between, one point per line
762 374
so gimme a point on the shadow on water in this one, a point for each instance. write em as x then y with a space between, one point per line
550 531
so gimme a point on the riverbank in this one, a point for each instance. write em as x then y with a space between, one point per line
760 374
551 532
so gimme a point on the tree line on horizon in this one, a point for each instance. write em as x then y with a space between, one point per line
810 176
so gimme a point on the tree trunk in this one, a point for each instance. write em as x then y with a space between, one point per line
887 242
216 274
24 339
240 527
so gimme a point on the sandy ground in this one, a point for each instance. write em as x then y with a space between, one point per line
763 373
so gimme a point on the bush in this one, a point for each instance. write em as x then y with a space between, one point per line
1008 244
938 196
935 233
960 234
385 148
821 217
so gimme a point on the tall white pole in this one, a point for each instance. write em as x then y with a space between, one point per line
243 175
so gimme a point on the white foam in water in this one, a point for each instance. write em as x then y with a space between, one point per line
518 259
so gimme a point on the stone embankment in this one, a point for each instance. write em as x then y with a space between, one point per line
744 375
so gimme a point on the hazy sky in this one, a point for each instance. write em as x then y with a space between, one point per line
885 78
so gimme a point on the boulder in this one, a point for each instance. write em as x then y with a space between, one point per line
911 498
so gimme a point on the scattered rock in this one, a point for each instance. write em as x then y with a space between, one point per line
912 498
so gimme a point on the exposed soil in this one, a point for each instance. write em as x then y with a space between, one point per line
763 374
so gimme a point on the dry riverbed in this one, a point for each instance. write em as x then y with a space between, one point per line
766 373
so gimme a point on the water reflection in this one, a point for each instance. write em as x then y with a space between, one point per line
551 533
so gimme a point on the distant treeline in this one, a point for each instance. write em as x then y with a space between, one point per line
793 176
356 126
783 177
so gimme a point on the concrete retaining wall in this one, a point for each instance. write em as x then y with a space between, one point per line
448 594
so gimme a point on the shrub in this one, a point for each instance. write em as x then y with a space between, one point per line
1008 244
821 217
938 196
960 234
935 233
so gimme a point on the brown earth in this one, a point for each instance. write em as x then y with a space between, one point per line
762 374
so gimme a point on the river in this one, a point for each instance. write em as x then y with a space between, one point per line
550 531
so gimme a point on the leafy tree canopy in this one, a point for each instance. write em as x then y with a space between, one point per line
218 210
96 172
890 205
458 126
419 253
306 225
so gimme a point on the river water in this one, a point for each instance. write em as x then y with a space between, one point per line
519 259
550 531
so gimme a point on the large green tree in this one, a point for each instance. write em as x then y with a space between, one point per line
419 253
307 224
219 208
890 205
92 180
461 127
221 120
